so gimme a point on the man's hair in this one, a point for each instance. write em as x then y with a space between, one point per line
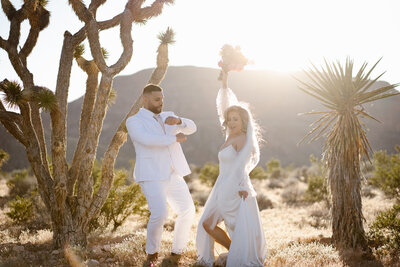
151 88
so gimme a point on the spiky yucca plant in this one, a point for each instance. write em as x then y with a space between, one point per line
346 142
12 91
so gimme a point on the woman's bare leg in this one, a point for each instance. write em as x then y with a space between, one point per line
218 234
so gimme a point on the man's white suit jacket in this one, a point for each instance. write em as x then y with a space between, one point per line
157 153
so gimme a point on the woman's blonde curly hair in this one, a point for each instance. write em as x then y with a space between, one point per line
243 113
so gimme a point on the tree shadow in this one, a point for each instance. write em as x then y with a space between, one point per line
358 258
351 257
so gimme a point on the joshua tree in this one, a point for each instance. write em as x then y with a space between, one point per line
346 142
67 190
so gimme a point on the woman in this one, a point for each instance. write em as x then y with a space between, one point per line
232 198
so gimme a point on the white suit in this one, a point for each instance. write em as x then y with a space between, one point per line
159 169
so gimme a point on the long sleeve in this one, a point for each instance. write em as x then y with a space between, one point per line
225 98
187 127
139 134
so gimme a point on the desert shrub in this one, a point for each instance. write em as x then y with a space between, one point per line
209 173
19 184
386 175
21 210
200 197
4 156
29 211
384 232
264 202
320 218
122 201
366 191
292 195
276 173
272 165
258 173
316 189
275 183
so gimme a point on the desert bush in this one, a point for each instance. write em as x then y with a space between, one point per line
21 210
4 156
276 173
272 165
320 218
209 173
122 201
292 194
384 232
200 197
258 173
366 191
264 202
275 183
29 211
386 175
19 184
316 189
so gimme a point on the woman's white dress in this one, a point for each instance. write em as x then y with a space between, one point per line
241 217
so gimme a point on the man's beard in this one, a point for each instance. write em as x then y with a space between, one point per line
155 110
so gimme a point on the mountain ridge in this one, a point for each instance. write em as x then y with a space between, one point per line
190 92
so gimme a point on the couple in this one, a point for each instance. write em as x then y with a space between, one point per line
161 165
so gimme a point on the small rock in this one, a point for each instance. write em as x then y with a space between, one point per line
102 259
96 250
106 247
55 252
18 248
109 260
93 263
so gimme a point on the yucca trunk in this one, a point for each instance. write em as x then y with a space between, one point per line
344 179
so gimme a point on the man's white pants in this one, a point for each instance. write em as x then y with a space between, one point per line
175 192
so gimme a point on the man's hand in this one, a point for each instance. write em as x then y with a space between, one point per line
243 194
180 138
173 120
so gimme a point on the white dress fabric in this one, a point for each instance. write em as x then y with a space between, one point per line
241 217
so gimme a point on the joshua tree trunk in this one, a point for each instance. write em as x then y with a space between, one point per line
68 191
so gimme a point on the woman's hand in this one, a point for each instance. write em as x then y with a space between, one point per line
243 194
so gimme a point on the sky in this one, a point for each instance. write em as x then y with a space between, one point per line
282 36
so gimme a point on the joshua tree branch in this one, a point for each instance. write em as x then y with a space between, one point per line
84 188
29 44
38 126
11 121
95 4
3 44
8 9
87 108
80 10
153 10
127 43
33 151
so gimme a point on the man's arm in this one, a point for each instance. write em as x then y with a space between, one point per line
139 134
187 126
182 125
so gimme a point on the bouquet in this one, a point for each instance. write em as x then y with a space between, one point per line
231 59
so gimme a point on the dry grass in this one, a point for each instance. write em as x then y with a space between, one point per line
296 236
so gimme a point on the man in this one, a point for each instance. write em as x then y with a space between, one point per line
159 169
